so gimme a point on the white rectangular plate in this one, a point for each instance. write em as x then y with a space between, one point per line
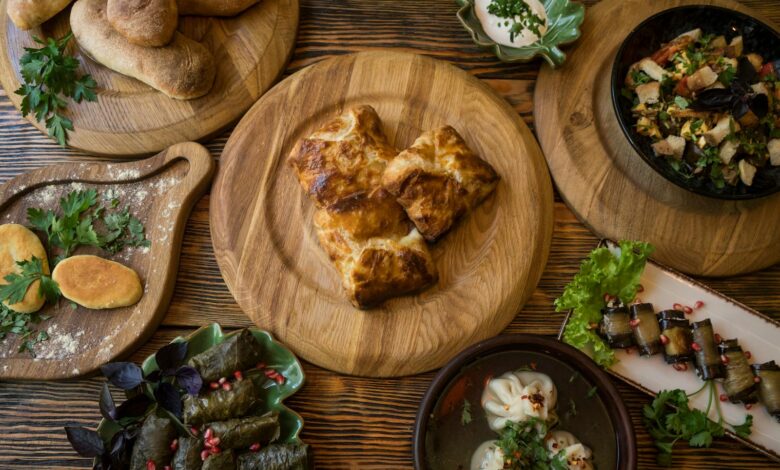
664 287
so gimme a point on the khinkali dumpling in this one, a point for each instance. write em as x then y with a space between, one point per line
517 396
577 455
488 457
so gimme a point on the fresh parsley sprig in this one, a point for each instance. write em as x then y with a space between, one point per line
16 323
17 284
50 78
524 447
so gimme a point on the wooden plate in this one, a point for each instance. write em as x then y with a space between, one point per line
267 248
160 191
608 185
130 118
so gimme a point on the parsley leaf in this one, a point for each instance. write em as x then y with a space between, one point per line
681 102
465 415
17 284
16 323
524 447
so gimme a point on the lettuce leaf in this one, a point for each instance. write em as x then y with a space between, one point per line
601 273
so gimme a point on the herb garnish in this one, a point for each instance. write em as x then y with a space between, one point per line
519 13
18 284
524 447
465 415
19 324
50 77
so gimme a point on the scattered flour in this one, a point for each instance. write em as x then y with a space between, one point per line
60 345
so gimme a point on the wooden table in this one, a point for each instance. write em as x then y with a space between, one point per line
351 422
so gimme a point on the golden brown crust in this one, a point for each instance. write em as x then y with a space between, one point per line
97 283
362 228
438 180
148 23
27 14
18 243
214 7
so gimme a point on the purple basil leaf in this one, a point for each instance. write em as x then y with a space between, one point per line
133 407
759 104
745 71
154 376
171 355
168 397
124 375
107 407
189 379
85 442
121 445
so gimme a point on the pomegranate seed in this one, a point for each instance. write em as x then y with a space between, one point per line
593 326
724 359
748 355
269 373
640 288
748 406
688 310
664 340
634 323
204 454
207 444
255 447
215 441
695 346
279 379
681 367
699 304
167 467
637 300
150 465
226 386
533 365
208 434
222 380
677 306
607 297
174 445
238 375
216 450
724 397
629 351
260 365
213 385
194 431
718 338
757 379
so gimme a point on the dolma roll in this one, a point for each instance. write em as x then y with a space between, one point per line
738 384
277 457
220 405
615 327
153 443
238 352
768 375
675 336
187 456
241 433
647 333
225 460
705 351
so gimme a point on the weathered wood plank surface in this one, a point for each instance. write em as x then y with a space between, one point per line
351 422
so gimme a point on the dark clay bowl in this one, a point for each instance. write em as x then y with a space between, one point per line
589 405
663 27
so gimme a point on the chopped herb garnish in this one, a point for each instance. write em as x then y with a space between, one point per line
592 392
681 102
519 13
524 447
465 415
20 324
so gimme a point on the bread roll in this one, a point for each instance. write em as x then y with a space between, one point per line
183 69
18 243
97 283
214 7
148 23
27 14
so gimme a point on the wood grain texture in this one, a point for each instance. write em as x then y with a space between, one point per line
130 118
612 190
351 422
160 192
259 212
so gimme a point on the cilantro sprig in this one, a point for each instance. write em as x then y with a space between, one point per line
51 77
524 447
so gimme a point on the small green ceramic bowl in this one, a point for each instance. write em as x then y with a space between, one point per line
564 19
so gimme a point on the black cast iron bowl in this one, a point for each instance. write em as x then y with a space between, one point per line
647 38
589 405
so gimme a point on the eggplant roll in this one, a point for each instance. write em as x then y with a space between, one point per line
225 460
647 333
153 443
769 386
187 456
238 352
739 383
615 327
241 433
220 405
676 336
277 457
708 365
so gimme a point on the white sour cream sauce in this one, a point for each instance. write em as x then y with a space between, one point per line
498 31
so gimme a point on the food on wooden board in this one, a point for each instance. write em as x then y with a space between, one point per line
148 23
97 283
239 351
183 69
438 180
18 244
647 333
214 7
277 457
27 14
615 326
739 383
706 355
768 375
676 336
153 443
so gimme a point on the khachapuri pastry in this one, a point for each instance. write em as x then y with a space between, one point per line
365 232
438 180
17 244
27 14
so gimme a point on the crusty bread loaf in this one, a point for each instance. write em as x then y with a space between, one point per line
183 69
27 14
214 7
148 23
18 243
97 283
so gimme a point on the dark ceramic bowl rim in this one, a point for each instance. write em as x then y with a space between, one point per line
624 126
618 414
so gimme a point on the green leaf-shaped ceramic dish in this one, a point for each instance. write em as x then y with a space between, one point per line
564 19
275 355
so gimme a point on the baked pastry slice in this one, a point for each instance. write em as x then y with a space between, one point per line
367 235
438 180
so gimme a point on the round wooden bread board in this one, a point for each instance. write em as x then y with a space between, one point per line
160 191
608 185
130 118
267 248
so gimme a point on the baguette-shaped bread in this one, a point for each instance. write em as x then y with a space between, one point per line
97 283
183 69
27 14
148 23
18 243
214 7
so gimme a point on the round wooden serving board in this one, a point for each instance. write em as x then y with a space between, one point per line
131 118
266 245
610 187
160 191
